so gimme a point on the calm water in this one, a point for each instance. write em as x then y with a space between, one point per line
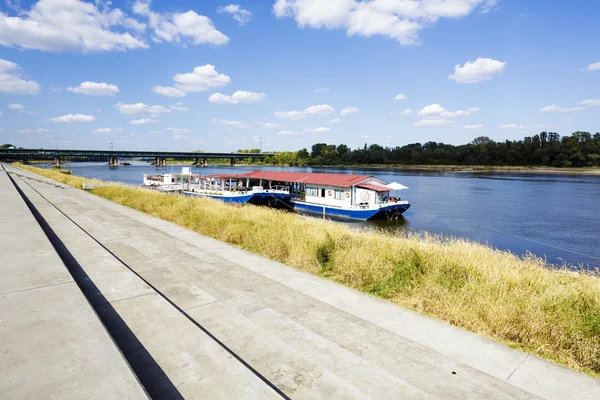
549 215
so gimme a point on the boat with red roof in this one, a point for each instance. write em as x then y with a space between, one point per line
341 195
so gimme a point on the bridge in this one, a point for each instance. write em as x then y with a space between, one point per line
114 155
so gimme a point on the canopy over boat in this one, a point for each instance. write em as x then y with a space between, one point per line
377 188
396 186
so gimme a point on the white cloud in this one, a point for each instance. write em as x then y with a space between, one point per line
335 121
478 126
238 97
179 107
555 108
436 111
226 122
401 97
178 131
406 112
593 67
322 90
398 20
321 109
103 130
178 27
33 131
512 126
589 103
203 78
432 122
479 70
168 91
290 114
287 133
10 81
144 121
320 129
141 108
516 126
349 110
239 14
16 106
95 89
269 125
70 118
71 25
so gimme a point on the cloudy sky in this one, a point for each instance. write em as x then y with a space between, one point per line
216 76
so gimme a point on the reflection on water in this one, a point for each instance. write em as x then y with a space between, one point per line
552 216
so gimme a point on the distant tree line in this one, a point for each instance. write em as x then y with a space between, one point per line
581 149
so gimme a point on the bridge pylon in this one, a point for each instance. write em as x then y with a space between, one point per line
113 162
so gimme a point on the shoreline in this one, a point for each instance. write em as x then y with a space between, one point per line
591 171
472 169
519 301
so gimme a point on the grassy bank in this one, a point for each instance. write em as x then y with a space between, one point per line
551 313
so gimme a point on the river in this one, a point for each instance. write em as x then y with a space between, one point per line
552 216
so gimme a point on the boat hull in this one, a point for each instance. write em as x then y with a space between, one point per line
388 212
270 199
237 199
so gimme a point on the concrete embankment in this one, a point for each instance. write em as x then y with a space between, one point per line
197 318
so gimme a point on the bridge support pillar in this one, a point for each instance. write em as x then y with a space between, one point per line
199 163
232 162
57 162
113 162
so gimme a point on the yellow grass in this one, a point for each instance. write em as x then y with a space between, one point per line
522 302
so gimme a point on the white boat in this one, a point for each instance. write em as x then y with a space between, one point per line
226 188
342 195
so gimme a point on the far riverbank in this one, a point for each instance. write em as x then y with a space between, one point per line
428 168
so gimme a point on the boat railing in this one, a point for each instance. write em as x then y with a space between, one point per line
165 187
279 189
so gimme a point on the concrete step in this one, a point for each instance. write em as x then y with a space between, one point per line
171 355
52 344
352 338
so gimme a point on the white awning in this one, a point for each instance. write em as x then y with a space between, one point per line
396 186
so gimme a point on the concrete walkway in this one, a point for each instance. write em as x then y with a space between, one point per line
198 318
52 344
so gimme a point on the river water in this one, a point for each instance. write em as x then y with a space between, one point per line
552 216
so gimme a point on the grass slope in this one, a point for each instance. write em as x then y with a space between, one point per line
522 302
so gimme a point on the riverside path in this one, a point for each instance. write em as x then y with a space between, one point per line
99 300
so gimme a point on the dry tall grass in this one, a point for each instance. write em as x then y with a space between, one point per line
523 302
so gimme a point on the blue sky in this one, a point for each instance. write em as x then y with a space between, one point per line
218 76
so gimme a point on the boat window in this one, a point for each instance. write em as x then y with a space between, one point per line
339 195
322 192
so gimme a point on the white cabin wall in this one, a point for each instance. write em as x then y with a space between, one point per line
329 200
365 196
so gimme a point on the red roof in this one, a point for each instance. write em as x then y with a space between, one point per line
376 188
339 180
226 176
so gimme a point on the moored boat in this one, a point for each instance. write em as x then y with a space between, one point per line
220 187
361 197
342 195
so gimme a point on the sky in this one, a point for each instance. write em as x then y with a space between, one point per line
285 74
